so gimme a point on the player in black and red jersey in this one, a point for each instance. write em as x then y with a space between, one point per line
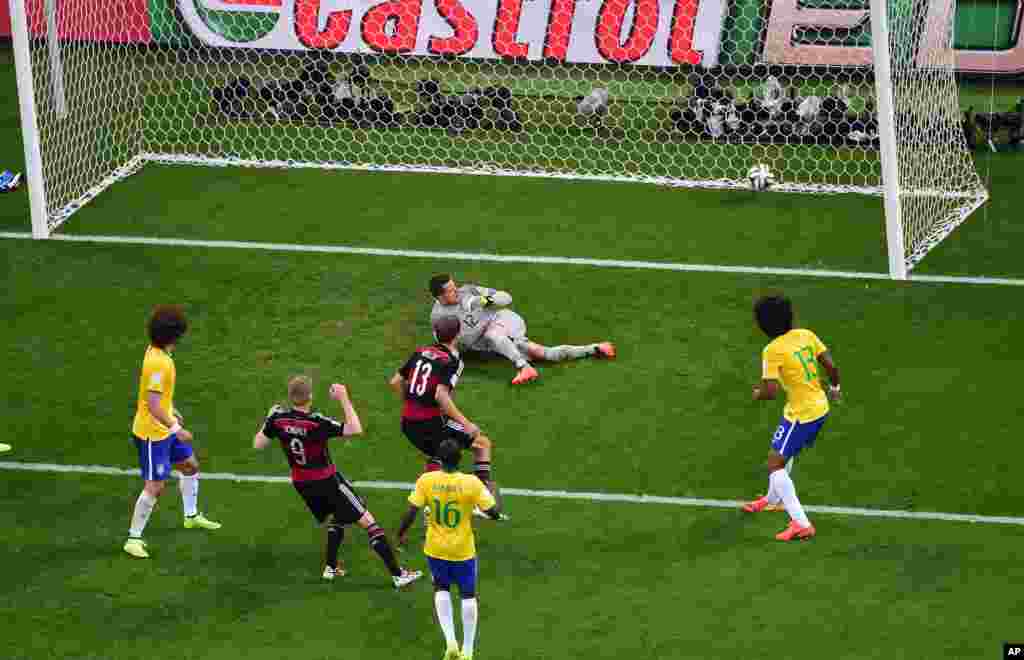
303 435
426 383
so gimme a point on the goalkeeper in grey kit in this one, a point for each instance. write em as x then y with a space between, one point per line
488 326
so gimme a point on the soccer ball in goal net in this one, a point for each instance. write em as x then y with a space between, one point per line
676 92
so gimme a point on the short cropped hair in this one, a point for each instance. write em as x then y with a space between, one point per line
446 329
166 325
300 390
449 453
774 315
437 283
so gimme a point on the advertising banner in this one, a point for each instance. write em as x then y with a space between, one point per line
987 35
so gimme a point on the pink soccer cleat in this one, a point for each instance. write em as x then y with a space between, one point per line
525 375
758 505
795 531
605 349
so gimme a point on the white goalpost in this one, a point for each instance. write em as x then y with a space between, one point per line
833 96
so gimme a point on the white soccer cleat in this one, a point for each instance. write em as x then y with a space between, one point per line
406 578
331 573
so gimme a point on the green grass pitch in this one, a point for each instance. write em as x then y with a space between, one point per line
930 422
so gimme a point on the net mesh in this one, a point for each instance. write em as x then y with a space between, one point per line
679 92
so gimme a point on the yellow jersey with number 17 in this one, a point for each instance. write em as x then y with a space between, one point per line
451 497
158 375
792 359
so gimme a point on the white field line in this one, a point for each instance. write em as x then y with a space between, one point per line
518 259
547 494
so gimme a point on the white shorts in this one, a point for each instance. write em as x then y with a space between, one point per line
508 323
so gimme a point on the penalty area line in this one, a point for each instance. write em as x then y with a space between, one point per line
516 259
546 494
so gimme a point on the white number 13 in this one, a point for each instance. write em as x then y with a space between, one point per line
420 376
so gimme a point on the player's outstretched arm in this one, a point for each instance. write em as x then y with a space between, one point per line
407 520
448 407
353 426
766 390
825 360
153 403
260 441
397 383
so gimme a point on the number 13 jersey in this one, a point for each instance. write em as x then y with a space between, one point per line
427 368
792 359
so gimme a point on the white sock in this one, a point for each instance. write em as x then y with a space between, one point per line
443 605
189 486
566 352
772 495
143 508
469 618
783 486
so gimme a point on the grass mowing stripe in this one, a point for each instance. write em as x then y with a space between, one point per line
547 494
528 259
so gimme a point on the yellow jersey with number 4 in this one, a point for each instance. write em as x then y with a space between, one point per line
158 375
451 497
792 359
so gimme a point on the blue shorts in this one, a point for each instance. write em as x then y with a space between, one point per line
157 456
462 573
791 437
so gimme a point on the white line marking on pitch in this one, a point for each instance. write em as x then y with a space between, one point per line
517 259
547 494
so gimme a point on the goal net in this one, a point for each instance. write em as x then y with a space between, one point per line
676 92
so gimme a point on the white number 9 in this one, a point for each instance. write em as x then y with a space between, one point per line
298 450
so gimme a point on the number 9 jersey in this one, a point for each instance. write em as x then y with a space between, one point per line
427 368
303 437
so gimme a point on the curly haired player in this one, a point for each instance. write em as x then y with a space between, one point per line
791 361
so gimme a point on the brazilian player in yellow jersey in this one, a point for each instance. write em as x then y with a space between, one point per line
157 432
451 496
790 361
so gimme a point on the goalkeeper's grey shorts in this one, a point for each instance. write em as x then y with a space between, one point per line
510 324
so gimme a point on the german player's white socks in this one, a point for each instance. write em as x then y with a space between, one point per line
783 486
143 508
443 605
567 352
469 618
189 486
507 348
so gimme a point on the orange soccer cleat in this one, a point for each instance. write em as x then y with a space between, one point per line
605 349
525 375
758 505
795 531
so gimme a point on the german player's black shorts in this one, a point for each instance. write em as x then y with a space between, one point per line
428 434
332 495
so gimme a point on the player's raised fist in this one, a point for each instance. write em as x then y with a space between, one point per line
338 392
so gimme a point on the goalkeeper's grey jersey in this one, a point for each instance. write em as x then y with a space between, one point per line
472 316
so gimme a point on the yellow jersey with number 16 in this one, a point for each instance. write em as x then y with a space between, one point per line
451 497
792 359
158 375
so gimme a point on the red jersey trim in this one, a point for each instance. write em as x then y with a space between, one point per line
313 474
417 412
